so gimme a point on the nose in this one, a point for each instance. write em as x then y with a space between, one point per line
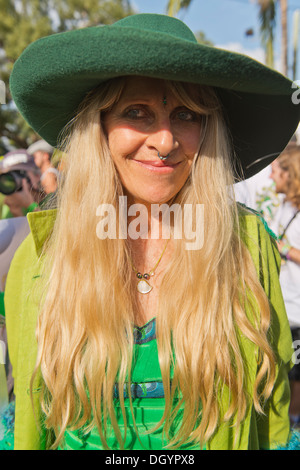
162 139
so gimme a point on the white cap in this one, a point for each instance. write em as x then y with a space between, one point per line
40 145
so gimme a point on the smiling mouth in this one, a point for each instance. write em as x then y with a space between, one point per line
158 166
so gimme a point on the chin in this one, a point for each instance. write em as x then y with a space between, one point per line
158 200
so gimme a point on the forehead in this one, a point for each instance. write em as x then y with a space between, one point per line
275 165
137 88
152 88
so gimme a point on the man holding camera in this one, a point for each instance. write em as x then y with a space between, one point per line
20 183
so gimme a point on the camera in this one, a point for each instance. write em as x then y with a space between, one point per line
11 182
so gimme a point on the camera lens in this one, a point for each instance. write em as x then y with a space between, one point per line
10 183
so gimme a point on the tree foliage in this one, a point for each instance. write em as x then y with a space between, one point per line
24 21
268 10
267 18
174 6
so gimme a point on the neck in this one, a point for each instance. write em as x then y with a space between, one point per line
148 220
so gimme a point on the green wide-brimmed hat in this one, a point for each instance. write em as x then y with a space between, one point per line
53 75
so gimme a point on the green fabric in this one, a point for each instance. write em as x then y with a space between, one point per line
30 208
6 214
147 411
54 74
2 309
268 431
21 315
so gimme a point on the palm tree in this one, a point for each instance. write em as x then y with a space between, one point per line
174 6
267 16
267 13
284 36
296 30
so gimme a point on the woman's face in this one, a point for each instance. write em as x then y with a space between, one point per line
280 177
147 121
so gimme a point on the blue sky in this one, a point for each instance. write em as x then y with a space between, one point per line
224 22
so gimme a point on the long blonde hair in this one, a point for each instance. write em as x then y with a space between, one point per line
84 333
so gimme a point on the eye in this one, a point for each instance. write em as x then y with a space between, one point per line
134 113
187 115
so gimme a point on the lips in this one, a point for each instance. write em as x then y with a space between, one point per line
156 163
158 166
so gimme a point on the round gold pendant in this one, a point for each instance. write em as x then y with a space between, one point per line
144 287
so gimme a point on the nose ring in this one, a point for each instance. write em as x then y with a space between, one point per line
161 157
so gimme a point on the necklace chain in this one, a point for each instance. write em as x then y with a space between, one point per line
143 286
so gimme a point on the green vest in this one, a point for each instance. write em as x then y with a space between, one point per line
264 431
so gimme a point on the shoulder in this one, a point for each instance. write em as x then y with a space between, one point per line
252 219
50 171
259 239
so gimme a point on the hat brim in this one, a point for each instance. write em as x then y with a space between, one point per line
54 74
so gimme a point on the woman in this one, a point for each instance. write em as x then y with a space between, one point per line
286 176
143 342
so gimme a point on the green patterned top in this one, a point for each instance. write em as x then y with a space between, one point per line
148 402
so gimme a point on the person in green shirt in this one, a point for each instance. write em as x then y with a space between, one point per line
129 328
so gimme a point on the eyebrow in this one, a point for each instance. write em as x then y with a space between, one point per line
136 99
126 101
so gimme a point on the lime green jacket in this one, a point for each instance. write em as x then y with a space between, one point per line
270 430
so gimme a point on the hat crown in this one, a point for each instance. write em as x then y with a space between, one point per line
159 24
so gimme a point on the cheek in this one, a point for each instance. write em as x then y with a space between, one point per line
285 177
122 143
190 142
